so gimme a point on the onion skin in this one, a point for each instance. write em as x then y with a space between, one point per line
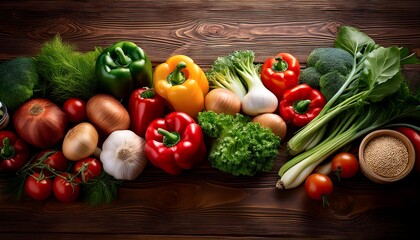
40 122
274 122
220 100
107 113
80 142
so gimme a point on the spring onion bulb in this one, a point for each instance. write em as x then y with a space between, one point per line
238 73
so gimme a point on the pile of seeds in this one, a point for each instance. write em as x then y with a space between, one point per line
386 156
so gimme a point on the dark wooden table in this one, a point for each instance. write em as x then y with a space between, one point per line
205 203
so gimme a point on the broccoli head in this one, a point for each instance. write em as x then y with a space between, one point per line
326 70
18 81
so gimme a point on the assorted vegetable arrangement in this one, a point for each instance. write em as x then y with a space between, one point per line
82 123
376 94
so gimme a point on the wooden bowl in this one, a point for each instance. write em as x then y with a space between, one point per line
382 168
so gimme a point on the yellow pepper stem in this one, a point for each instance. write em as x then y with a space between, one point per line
177 77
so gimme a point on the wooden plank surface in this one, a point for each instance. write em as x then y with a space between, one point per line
205 203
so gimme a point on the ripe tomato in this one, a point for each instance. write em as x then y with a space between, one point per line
345 165
75 109
318 186
90 167
55 160
38 186
66 187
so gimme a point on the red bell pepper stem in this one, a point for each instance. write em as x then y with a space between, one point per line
7 151
177 77
280 65
301 106
170 139
149 93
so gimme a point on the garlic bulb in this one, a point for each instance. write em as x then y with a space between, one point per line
123 155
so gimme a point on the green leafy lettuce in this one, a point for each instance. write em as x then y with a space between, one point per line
240 147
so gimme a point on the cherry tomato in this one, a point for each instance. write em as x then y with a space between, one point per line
318 186
345 165
75 109
38 186
66 187
91 168
55 160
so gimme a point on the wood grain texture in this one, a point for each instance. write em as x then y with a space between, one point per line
205 203
204 29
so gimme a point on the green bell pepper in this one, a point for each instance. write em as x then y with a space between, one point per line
123 67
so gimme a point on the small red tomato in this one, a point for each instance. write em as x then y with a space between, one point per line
318 186
66 187
90 167
38 186
345 165
54 159
75 109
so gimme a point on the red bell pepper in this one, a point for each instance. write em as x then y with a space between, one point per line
301 104
175 143
144 106
280 73
14 152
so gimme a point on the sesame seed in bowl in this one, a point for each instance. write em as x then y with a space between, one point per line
386 156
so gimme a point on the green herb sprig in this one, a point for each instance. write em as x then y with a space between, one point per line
67 72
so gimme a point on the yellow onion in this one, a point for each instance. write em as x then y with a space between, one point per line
220 100
80 142
107 113
274 122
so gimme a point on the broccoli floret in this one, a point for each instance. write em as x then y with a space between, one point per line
242 147
326 69
326 60
18 81
330 83
310 76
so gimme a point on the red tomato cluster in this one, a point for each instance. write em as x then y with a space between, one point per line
52 174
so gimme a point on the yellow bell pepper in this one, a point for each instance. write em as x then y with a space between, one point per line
182 83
